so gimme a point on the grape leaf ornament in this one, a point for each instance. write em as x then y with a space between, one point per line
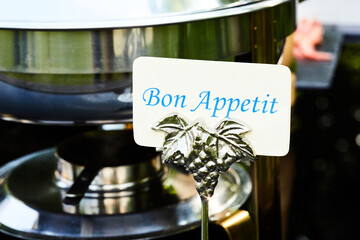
202 152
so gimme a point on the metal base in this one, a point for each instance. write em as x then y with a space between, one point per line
31 204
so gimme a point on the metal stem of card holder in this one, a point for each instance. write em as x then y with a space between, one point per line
204 153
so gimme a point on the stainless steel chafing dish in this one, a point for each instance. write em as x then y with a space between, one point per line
66 62
70 62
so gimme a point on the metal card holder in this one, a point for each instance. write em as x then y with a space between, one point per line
204 153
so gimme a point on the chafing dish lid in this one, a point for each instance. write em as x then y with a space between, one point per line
89 14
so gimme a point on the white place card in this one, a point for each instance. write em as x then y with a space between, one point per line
257 95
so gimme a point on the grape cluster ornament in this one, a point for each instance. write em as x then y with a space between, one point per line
204 153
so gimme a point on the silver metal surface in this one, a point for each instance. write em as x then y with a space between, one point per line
205 153
33 196
88 68
113 181
81 14
110 178
68 58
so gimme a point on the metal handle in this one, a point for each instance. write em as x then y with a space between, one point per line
239 226
81 184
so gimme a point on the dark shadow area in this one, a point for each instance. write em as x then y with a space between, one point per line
326 140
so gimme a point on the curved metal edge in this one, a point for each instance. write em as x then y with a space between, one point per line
43 224
62 123
103 222
144 22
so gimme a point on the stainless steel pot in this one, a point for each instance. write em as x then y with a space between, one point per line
70 62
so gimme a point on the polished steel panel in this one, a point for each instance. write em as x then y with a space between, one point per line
114 50
267 48
85 74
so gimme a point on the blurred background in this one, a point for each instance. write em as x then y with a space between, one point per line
326 137
326 141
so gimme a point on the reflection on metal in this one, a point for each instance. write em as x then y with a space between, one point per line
239 226
109 51
172 208
115 14
267 31
121 182
266 198
66 65
103 51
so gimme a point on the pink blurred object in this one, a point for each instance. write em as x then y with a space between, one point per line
308 34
